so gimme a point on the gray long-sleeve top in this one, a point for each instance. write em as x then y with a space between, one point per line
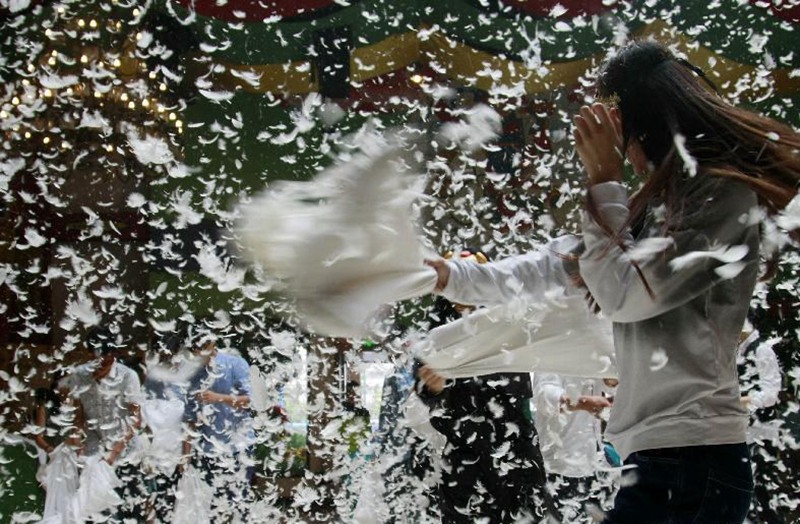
675 350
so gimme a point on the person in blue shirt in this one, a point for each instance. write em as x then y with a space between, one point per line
221 430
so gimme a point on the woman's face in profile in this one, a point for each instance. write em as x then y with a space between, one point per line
635 154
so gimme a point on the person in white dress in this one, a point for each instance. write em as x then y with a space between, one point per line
568 413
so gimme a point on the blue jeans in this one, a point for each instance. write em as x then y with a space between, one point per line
690 485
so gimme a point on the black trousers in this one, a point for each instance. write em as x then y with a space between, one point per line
687 485
230 480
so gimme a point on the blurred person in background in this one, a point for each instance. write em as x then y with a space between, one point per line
108 395
221 436
568 415
493 470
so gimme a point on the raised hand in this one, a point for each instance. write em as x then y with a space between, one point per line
598 140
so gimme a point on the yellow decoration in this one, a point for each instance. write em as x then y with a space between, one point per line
479 69
392 54
723 71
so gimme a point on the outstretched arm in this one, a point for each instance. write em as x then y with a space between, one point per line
530 277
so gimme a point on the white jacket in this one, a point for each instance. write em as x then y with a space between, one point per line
538 320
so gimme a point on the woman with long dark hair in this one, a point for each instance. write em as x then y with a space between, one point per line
710 169
674 268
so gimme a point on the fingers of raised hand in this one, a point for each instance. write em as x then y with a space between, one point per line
603 114
589 122
597 119
581 131
592 115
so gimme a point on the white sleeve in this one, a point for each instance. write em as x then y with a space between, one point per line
769 378
529 277
548 388
712 240
133 389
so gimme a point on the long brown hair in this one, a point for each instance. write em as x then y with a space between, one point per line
662 98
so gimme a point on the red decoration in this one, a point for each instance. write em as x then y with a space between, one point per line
574 8
254 10
787 9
